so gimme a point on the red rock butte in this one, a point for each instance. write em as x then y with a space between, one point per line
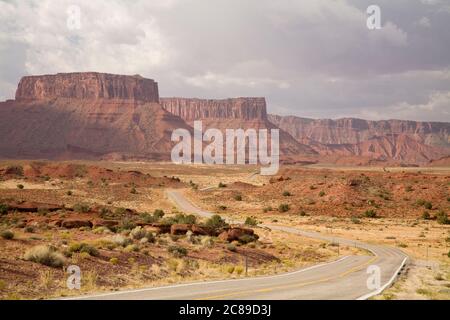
88 85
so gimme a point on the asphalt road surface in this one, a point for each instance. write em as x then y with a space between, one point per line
344 278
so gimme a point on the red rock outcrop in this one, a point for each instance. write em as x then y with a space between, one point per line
87 86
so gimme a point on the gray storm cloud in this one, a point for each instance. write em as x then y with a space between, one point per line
311 58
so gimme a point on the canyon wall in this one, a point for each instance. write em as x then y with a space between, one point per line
191 109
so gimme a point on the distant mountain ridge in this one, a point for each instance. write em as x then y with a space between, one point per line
105 116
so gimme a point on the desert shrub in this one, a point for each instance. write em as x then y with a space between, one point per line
127 224
158 213
207 241
442 218
448 254
426 215
20 186
231 247
82 247
222 207
7 234
29 229
247 238
238 197
230 269
81 207
428 205
420 202
114 261
120 211
177 251
69 193
448 199
409 188
355 220
284 207
302 213
45 255
321 193
131 248
370 213
239 269
3 208
250 221
267 209
222 185
312 187
402 245
133 190
286 194
216 222
180 218
138 233
121 240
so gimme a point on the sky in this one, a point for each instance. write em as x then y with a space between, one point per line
309 58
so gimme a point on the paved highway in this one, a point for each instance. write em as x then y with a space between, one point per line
345 278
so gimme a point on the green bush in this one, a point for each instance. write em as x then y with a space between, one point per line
247 238
267 209
250 221
45 255
428 205
158 213
180 218
7 234
370 213
81 247
177 251
238 197
355 220
3 209
81 208
231 247
127 224
284 207
442 218
321 193
138 233
216 222
286 194
426 215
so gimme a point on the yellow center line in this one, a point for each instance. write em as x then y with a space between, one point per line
298 285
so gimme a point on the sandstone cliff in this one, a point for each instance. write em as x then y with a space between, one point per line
236 108
89 85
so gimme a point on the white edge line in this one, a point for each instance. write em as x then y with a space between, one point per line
376 292
205 282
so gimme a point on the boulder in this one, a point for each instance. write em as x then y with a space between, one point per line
75 223
104 223
234 234
202 231
180 229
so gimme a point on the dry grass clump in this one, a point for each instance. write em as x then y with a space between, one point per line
45 255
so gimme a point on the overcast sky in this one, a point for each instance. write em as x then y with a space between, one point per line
310 58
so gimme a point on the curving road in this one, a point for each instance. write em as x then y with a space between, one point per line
345 278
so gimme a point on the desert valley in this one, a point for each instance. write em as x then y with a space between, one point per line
86 180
